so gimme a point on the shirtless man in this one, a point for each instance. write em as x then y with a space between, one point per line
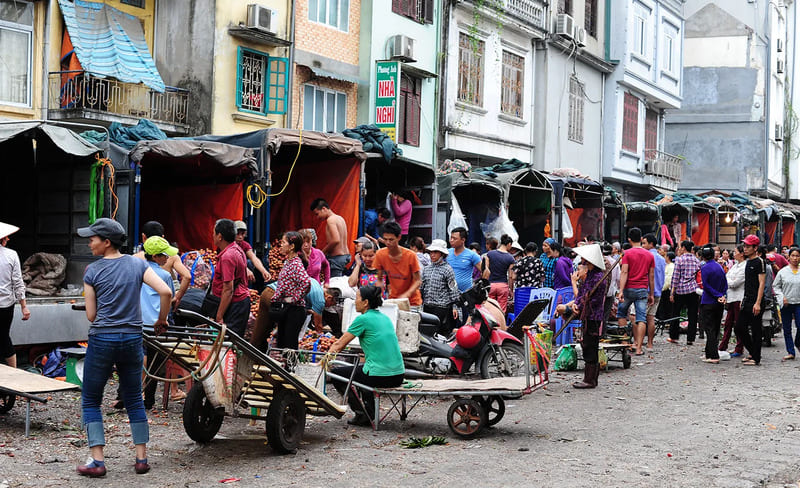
335 236
173 264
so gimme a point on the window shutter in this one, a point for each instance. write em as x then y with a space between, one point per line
277 85
415 99
397 6
428 9
239 77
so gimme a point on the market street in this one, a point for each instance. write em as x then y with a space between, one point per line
670 420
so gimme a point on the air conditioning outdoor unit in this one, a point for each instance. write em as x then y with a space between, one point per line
780 66
401 48
261 18
778 132
580 36
565 26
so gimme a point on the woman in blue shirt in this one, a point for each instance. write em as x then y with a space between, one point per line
111 287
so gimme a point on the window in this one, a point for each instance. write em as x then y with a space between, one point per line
262 83
630 124
565 7
410 110
16 37
470 69
640 17
669 56
335 13
575 130
511 85
590 18
650 134
324 110
419 10
135 3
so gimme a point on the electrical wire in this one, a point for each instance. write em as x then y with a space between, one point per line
291 169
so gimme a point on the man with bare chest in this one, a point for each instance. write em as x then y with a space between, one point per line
335 235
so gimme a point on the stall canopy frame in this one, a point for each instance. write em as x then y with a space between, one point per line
591 191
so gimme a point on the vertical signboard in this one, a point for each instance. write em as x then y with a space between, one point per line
387 97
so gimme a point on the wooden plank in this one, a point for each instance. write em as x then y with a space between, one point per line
25 382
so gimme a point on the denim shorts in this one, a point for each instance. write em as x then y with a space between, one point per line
637 297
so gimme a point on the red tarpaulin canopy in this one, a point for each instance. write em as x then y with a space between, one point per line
769 229
700 229
787 237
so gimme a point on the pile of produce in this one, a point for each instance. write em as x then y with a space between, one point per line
209 254
276 260
202 271
254 301
314 341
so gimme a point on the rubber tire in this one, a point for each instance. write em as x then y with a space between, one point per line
626 359
286 420
498 410
201 420
7 401
469 412
516 349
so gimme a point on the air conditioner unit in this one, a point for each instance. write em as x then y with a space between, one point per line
779 45
778 132
580 36
565 26
261 18
401 48
780 66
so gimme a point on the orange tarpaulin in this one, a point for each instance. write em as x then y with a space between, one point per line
335 181
769 229
787 237
191 224
586 222
700 228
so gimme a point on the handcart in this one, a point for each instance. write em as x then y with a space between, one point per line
477 404
235 379
16 382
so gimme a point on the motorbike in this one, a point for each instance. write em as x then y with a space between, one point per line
477 347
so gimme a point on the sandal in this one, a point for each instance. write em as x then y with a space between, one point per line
674 341
711 361
177 396
749 362
788 357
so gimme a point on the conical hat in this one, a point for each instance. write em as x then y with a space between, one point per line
7 229
593 254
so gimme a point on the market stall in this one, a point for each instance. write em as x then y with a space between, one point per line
614 210
529 200
644 215
578 207
703 217
479 199
728 225
788 221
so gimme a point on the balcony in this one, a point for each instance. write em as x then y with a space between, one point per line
531 11
662 170
80 96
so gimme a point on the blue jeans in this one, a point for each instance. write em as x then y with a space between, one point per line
789 312
104 352
338 264
637 297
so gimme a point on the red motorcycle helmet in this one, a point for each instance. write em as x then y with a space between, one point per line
468 337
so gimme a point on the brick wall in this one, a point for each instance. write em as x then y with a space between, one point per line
326 40
304 75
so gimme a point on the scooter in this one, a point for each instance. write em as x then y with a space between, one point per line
477 347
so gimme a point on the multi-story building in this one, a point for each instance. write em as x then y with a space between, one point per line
645 40
23 70
730 127
398 53
570 73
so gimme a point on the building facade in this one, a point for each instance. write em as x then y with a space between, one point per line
23 73
730 128
645 40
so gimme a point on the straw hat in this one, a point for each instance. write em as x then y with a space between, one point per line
516 246
438 245
7 229
593 254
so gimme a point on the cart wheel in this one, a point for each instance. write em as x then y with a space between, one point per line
495 408
7 401
626 359
201 420
286 419
466 418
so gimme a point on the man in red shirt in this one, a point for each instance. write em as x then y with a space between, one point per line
229 300
636 286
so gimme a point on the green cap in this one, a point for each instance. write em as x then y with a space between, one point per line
158 245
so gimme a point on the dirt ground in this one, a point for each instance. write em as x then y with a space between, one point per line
670 420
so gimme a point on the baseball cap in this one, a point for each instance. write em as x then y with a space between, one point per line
106 228
158 245
362 240
239 225
752 240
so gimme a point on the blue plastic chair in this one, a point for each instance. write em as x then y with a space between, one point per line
525 295
564 295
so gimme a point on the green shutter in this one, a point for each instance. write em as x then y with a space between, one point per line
239 77
277 89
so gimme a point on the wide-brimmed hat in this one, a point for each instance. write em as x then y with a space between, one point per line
593 254
516 246
7 229
438 245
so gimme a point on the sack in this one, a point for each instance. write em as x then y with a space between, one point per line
602 358
200 268
456 216
230 372
567 359
54 365
541 350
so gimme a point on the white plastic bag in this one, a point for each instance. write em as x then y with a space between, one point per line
566 225
456 216
499 226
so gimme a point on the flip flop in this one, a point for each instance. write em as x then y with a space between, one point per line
177 396
788 357
674 341
640 353
749 363
711 361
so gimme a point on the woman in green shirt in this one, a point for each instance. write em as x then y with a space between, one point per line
383 365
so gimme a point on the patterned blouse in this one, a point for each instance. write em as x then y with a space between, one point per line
293 283
529 272
595 302
549 266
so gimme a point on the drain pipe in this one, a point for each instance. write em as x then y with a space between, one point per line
48 11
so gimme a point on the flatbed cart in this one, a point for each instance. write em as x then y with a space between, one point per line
615 342
18 383
238 380
477 404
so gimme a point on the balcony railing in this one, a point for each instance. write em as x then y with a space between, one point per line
664 170
528 10
84 91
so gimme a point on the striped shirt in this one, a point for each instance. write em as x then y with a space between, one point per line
439 286
684 276
549 265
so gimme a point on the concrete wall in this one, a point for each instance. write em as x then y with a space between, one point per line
184 48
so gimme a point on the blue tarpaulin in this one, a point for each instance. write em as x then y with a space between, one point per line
109 42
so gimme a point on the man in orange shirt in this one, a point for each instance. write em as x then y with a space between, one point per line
400 265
